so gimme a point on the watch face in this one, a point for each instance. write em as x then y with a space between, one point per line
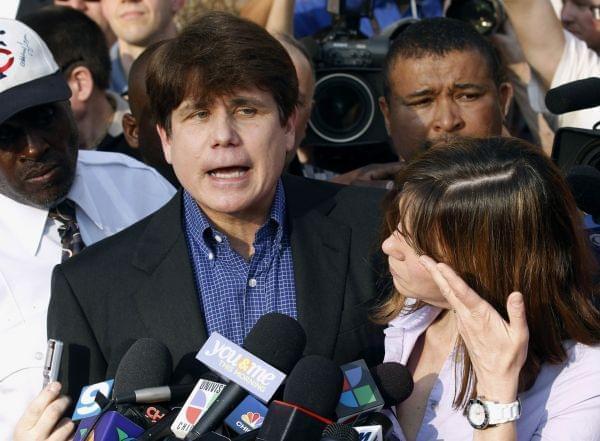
476 414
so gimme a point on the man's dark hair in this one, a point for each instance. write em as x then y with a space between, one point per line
217 55
74 40
437 37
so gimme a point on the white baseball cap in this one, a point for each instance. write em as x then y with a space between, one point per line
29 76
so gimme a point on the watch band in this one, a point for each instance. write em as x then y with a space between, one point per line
502 413
482 413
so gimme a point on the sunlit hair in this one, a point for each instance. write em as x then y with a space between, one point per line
214 56
501 215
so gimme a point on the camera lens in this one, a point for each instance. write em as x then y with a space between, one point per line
344 108
485 15
589 154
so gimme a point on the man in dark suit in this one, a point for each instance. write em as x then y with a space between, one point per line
238 241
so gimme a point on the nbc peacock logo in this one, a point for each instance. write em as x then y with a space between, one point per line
253 419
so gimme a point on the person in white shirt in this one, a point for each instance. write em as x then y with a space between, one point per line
558 55
40 174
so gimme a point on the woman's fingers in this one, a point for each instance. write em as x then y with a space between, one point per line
515 308
454 289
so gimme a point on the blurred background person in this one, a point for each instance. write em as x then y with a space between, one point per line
139 127
137 24
79 48
442 80
509 314
558 55
92 9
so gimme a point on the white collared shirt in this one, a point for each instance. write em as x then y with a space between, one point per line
111 191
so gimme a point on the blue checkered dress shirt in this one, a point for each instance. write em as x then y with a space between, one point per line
235 293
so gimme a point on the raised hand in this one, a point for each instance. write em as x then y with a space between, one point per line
497 348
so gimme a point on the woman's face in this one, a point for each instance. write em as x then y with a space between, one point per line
410 277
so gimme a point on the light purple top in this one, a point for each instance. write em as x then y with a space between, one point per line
562 405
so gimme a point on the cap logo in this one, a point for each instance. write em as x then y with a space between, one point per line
6 56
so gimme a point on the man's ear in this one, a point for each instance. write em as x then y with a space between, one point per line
290 130
385 110
131 130
165 140
81 82
505 94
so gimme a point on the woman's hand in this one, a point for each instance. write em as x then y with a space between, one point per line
497 349
43 420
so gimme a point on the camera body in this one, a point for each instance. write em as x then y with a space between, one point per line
348 86
349 83
576 147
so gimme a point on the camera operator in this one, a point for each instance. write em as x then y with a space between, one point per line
435 87
560 56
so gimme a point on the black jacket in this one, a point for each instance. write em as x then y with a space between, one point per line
140 283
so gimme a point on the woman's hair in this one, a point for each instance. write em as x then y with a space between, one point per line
500 214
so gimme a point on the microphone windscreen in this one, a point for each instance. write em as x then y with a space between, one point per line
340 432
394 382
584 181
116 355
282 352
147 363
576 95
315 384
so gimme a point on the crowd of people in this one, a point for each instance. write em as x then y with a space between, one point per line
154 183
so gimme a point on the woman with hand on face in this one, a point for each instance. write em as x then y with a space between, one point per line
492 308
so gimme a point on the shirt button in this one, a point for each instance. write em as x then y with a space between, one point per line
218 238
38 355
211 256
252 283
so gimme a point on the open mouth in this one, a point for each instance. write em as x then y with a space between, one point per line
229 172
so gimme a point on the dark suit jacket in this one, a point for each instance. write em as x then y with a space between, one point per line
140 283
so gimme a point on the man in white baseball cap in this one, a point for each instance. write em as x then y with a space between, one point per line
54 201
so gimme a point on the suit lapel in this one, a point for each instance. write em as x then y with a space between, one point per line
320 249
168 302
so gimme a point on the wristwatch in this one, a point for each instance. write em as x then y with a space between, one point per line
482 413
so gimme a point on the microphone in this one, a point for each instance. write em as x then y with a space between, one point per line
340 432
273 346
576 95
156 394
202 397
146 363
394 382
360 393
247 416
378 429
311 393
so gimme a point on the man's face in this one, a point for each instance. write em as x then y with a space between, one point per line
578 18
139 22
435 98
38 154
229 155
